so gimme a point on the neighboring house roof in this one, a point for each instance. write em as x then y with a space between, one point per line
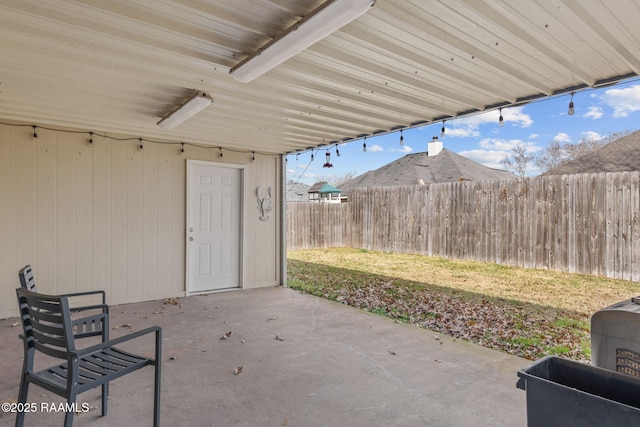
618 156
418 168
297 192
324 188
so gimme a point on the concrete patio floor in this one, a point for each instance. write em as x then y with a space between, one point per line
332 365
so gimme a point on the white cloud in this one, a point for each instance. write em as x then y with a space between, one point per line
591 135
489 158
562 137
517 117
624 101
593 113
493 151
468 126
374 148
462 132
507 144
534 136
402 149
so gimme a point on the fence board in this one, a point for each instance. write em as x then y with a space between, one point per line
576 223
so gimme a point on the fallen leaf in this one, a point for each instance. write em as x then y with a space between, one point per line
128 326
173 358
392 352
237 370
15 324
279 338
271 318
171 301
226 335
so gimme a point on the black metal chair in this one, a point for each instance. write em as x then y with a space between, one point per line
82 327
48 328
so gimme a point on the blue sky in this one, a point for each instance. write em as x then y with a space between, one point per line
597 113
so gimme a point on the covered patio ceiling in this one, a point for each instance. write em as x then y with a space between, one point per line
119 66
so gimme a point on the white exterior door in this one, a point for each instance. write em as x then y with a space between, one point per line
214 214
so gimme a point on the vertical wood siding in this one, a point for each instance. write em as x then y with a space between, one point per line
585 223
109 216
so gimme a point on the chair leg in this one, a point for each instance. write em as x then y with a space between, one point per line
156 396
22 398
68 418
157 381
105 397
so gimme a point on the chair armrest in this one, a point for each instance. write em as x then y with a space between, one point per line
153 329
103 307
79 294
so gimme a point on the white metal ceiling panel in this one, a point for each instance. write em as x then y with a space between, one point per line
120 66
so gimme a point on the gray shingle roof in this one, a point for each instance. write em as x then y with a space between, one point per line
618 156
297 192
323 188
447 166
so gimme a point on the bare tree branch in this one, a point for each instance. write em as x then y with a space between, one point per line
517 161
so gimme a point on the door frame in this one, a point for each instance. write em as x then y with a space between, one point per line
243 191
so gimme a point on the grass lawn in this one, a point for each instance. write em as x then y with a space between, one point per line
528 313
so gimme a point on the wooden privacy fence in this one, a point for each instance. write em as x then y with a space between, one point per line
586 223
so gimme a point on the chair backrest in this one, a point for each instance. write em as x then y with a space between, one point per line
46 322
27 280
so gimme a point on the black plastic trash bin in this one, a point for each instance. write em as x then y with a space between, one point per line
562 392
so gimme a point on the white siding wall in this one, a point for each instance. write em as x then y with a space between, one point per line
112 217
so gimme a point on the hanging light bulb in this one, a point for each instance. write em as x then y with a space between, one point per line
364 145
220 151
312 156
337 152
182 149
253 156
90 139
141 146
297 155
401 138
442 130
501 119
572 110
35 134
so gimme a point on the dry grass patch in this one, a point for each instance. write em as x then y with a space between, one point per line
581 293
528 313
